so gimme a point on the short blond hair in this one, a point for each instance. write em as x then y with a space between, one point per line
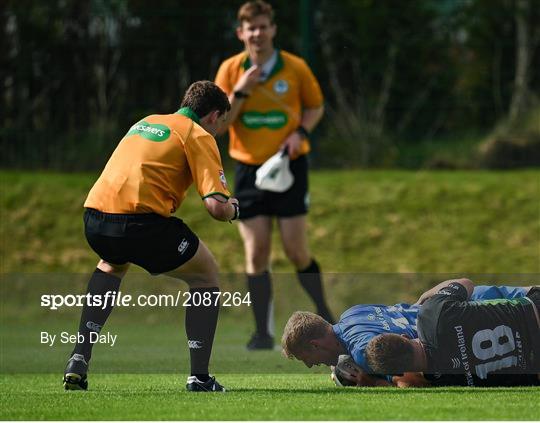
301 328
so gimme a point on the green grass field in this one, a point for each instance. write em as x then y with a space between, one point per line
254 397
262 385
380 236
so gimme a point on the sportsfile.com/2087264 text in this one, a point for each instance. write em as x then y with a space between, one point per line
117 299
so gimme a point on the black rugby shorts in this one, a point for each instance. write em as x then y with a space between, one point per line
255 202
157 244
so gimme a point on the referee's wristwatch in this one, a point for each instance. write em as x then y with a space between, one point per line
302 131
240 94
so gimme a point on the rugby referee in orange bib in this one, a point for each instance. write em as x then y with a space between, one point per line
128 220
275 103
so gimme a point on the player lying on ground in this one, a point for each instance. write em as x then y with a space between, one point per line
464 342
128 219
314 341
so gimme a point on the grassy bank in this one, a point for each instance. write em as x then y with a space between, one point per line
360 221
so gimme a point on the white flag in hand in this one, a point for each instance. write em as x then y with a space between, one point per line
274 174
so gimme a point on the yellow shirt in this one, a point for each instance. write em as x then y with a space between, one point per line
274 108
155 163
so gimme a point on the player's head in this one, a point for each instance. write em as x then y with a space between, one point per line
390 354
209 102
309 338
256 27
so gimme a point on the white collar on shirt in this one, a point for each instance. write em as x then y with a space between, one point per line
268 66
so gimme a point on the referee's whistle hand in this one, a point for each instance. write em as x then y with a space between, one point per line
249 79
293 143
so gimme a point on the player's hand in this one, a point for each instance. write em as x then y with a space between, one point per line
293 144
221 208
249 79
347 375
359 378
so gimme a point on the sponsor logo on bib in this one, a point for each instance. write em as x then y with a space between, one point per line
151 131
273 119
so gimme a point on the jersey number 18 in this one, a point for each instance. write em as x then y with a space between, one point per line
490 343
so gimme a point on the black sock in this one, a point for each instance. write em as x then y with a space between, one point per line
310 279
260 289
201 322
94 317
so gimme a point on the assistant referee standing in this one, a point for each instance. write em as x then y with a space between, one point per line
276 102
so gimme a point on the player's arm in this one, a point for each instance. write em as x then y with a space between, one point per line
239 93
410 380
466 283
310 118
368 380
348 373
206 169
359 378
221 208
312 101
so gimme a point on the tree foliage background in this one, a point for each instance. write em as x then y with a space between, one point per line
397 74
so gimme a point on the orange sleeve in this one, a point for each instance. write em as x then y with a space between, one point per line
205 164
310 90
223 79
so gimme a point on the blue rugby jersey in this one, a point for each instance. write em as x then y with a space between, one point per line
487 292
359 324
